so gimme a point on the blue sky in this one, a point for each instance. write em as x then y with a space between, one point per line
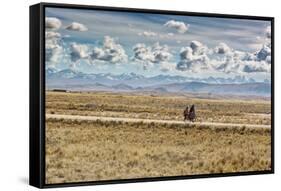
94 41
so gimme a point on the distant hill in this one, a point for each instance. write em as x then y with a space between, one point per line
261 89
74 80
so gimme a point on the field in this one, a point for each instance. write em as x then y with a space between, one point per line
158 107
81 150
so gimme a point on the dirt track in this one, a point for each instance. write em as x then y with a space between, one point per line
95 118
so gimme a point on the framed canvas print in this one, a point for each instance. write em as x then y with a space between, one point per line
127 95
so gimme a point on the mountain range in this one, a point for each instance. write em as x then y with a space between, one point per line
74 80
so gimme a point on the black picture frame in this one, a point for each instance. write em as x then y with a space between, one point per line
37 94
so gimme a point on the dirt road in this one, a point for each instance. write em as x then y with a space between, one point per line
122 119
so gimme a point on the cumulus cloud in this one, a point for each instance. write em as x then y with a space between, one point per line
52 23
198 57
251 67
264 52
194 58
222 48
161 53
53 55
52 34
238 61
198 48
149 55
147 34
110 51
167 66
53 43
230 63
143 53
77 27
193 63
53 48
181 27
78 51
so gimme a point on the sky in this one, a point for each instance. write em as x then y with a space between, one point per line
95 41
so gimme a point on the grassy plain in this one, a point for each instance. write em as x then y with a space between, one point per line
169 107
80 150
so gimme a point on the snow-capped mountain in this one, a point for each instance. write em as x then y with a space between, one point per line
132 77
75 80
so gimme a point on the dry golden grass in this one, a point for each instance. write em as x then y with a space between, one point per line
158 107
90 151
98 150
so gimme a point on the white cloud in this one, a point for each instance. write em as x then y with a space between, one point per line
264 52
53 55
53 47
268 59
222 48
198 48
197 57
109 52
161 53
245 62
78 51
52 23
166 35
167 66
194 58
253 66
143 53
181 27
229 63
77 27
52 34
190 62
150 55
147 34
